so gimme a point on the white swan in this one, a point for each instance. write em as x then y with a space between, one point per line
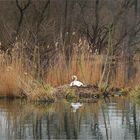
76 106
75 82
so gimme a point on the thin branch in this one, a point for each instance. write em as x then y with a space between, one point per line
42 14
21 10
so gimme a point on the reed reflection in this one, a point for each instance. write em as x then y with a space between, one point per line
117 118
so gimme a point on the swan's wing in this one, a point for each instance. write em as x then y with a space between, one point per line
78 83
71 84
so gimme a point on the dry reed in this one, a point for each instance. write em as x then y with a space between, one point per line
83 63
20 74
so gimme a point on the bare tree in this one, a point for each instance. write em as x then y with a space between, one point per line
42 14
22 12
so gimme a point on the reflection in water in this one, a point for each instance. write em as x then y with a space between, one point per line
117 118
76 106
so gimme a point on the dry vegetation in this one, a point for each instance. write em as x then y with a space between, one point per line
83 63
18 76
52 51
21 76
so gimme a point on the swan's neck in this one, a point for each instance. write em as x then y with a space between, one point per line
75 79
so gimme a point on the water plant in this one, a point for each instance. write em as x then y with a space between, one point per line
70 94
136 93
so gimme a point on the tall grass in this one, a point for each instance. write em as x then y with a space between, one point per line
89 68
83 63
18 74
21 74
11 71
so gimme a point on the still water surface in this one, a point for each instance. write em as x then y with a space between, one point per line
115 119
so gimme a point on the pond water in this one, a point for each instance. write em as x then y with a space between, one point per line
117 118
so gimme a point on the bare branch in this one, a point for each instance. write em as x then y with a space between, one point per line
42 14
25 6
21 10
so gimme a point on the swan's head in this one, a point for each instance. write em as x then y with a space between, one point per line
74 77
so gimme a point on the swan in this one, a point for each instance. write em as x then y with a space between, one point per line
76 106
75 82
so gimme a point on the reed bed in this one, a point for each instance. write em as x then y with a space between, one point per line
18 75
23 74
83 63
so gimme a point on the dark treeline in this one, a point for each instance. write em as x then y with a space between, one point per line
62 22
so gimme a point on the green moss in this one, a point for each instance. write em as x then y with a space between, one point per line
135 93
48 88
70 94
105 87
124 91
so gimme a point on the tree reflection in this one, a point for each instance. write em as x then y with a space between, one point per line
102 120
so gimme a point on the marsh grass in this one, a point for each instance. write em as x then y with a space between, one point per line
105 87
83 63
22 74
136 92
18 75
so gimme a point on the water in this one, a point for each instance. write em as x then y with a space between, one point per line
115 119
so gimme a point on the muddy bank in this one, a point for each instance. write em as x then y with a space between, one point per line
88 93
